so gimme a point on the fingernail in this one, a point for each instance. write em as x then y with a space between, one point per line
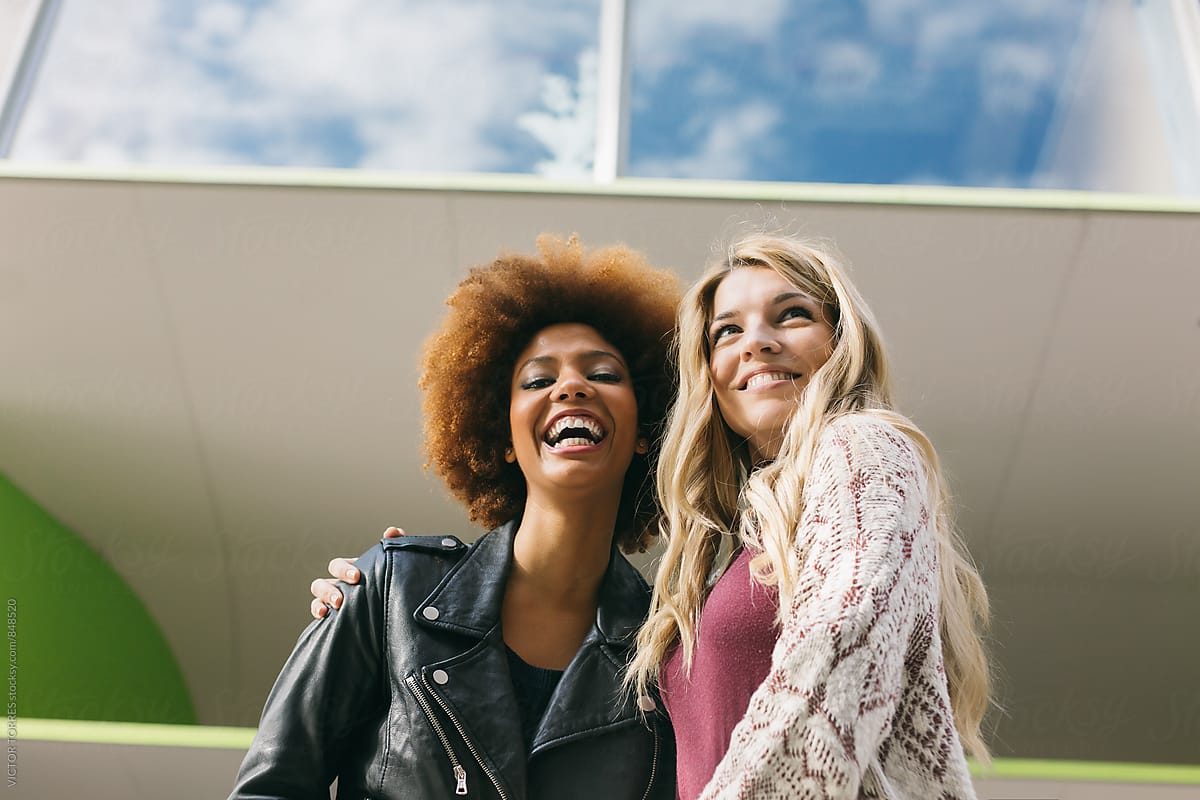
337 602
352 574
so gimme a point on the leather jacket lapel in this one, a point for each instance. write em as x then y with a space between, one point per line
576 707
477 691
469 598
476 684
622 603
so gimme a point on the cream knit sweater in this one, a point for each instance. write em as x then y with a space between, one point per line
855 704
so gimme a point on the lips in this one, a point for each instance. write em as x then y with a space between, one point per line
765 377
573 428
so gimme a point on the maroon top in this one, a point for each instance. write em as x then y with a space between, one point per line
732 656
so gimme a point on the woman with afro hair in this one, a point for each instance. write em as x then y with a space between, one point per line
495 669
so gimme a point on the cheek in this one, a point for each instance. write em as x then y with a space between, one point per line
721 373
518 416
721 370
735 417
825 350
628 404
726 402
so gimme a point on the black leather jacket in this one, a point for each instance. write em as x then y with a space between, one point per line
405 692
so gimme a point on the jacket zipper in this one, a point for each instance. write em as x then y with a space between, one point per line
460 774
653 765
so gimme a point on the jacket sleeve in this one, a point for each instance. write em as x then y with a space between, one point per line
864 551
331 686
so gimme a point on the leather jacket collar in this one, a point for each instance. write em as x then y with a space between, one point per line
469 599
468 602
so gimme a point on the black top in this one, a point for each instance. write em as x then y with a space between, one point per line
533 687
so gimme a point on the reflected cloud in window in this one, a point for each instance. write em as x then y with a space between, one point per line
418 86
889 91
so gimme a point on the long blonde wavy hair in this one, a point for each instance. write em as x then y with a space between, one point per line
713 497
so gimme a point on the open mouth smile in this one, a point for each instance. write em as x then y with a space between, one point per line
574 430
764 378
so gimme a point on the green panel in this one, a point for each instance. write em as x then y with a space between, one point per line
86 648
1099 771
206 736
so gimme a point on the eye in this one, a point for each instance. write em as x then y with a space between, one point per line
723 332
796 312
605 376
537 383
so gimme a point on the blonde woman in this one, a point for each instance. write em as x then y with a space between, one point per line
814 626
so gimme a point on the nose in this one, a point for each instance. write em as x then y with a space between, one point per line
572 384
757 339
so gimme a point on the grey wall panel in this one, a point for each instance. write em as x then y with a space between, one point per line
96 422
217 389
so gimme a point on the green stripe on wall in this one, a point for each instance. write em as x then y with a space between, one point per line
69 730
1099 771
54 730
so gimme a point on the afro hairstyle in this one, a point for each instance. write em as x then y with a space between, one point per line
467 366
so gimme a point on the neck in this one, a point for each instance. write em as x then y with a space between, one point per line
766 452
561 550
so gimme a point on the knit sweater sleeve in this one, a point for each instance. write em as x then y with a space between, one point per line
864 555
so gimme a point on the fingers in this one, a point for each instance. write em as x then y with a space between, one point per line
325 592
325 596
318 609
343 569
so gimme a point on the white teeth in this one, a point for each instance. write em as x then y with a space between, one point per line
575 441
767 377
587 423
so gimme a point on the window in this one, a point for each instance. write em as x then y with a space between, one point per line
1025 94
422 86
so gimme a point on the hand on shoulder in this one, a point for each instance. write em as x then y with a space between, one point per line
325 591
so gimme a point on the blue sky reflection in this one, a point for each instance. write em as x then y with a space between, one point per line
873 91
859 91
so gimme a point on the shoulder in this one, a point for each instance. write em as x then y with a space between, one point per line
868 455
450 546
397 573
412 552
866 441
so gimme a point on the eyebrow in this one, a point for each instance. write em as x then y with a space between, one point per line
592 354
779 298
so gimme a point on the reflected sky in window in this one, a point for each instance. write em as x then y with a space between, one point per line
873 91
945 92
422 86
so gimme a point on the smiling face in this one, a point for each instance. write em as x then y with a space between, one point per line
766 339
573 413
